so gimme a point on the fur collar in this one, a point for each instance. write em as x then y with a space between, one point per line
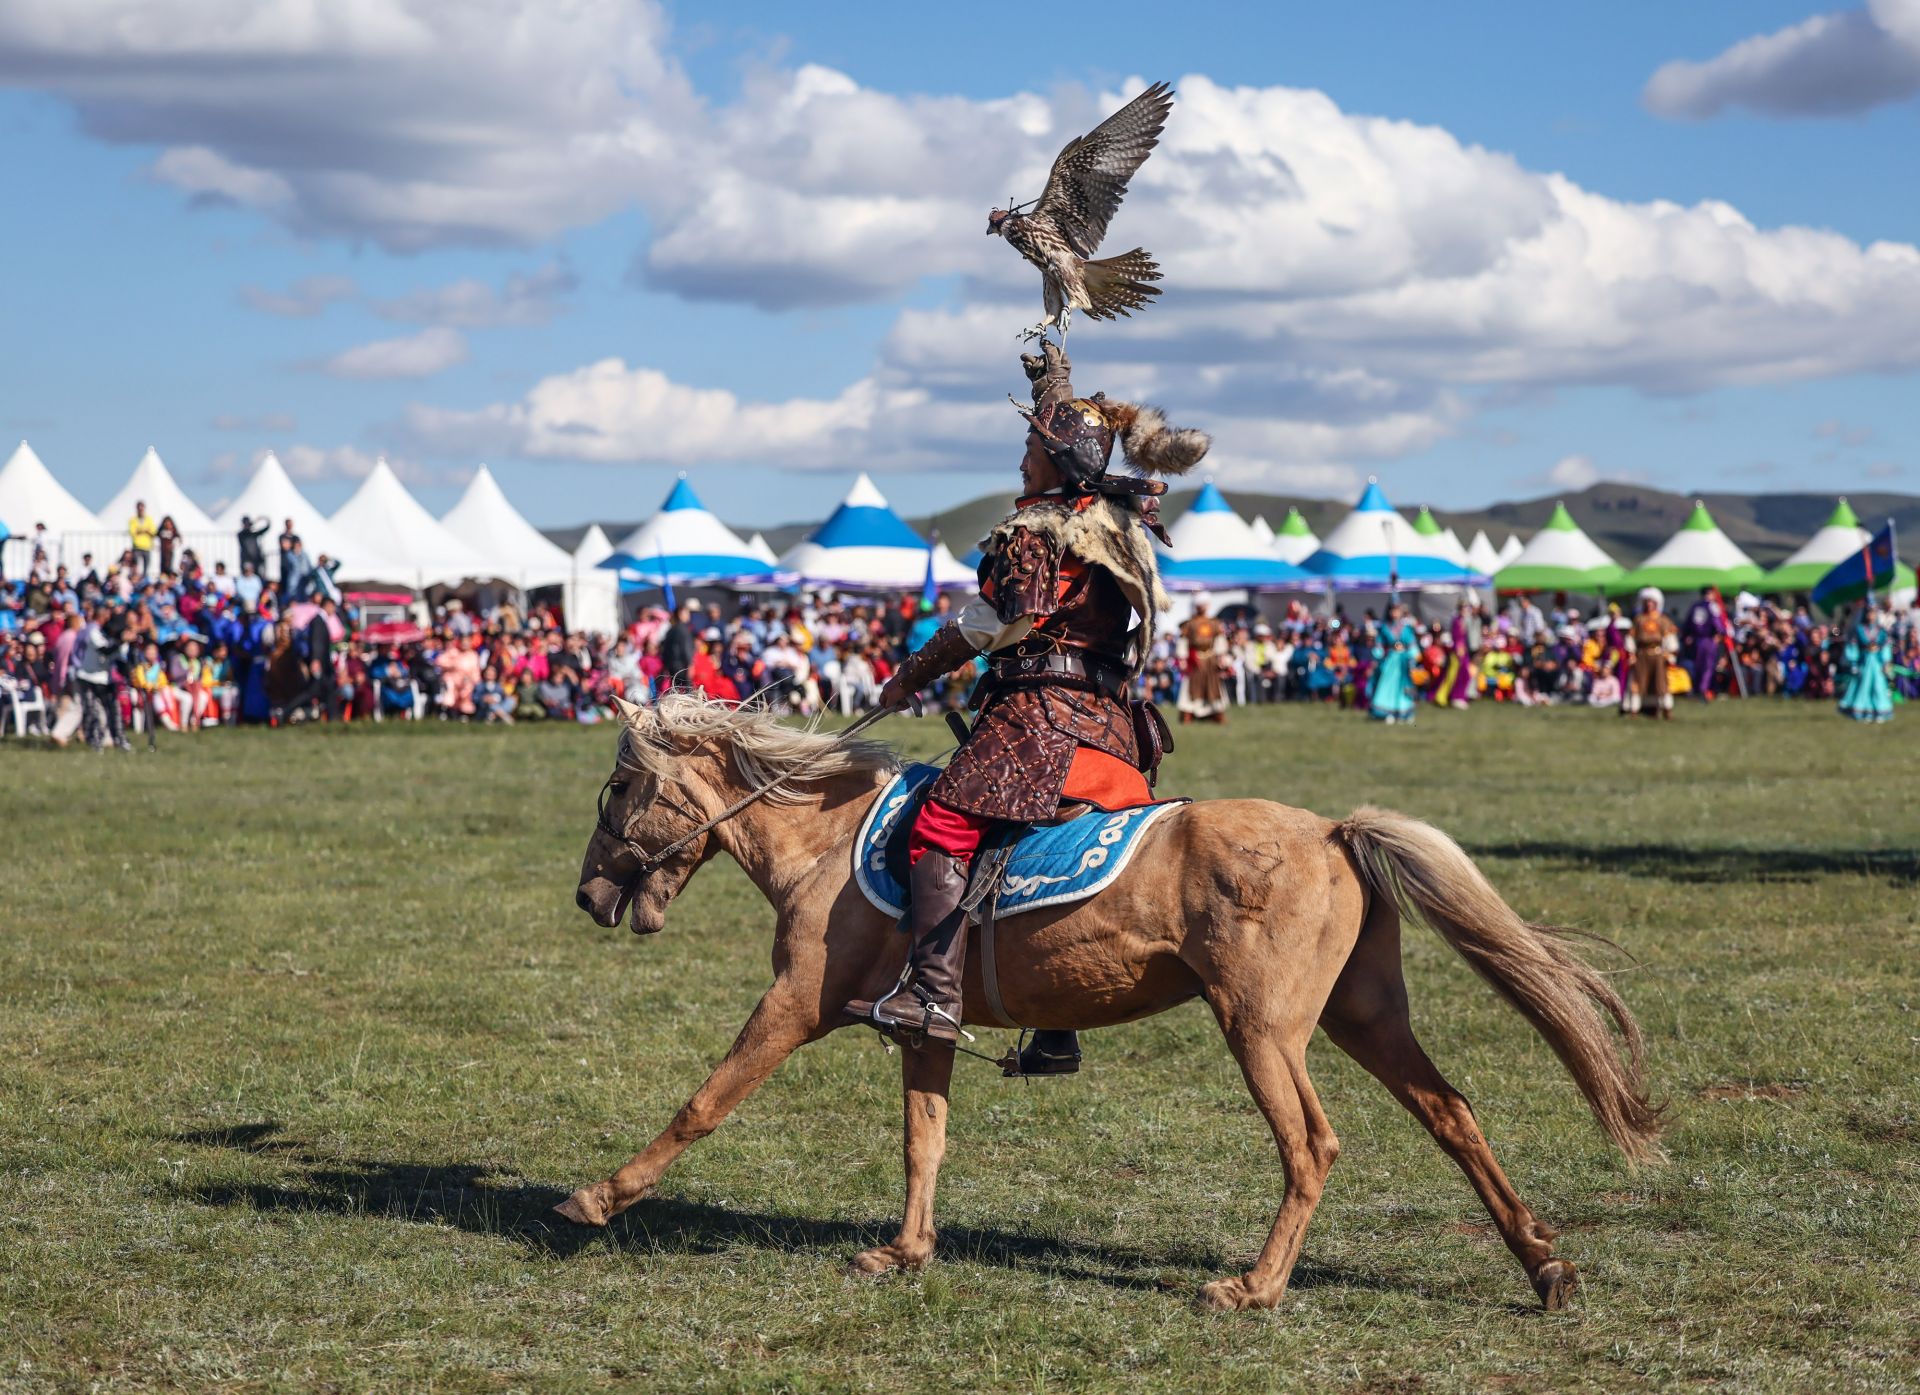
1106 534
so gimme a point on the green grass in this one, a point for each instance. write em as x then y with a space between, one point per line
302 1035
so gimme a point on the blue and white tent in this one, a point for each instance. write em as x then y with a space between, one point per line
1215 550
1373 548
684 545
865 546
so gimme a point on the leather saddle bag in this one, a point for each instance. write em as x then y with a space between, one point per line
1152 737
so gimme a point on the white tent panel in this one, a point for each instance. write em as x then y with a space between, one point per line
515 550
390 523
152 482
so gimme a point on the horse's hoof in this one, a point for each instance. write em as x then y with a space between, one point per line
583 1208
1555 1282
884 1259
1231 1295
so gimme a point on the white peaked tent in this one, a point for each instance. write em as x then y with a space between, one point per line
271 497
1444 543
1374 547
1482 555
865 545
684 544
1700 554
1560 557
1295 542
757 546
1262 530
383 520
515 550
1510 549
1454 545
592 596
153 482
29 494
1838 539
1213 549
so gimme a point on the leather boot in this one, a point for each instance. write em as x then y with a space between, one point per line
1049 1053
928 1002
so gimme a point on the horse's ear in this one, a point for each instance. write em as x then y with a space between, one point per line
629 711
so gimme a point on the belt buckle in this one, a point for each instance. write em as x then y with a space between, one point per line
1026 663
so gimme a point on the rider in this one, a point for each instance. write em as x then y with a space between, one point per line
1068 592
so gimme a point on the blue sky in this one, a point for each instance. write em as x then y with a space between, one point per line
744 241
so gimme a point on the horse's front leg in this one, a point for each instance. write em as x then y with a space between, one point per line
926 1073
786 1018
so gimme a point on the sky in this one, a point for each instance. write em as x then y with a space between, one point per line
1481 252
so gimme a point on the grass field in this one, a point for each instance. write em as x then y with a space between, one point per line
303 1036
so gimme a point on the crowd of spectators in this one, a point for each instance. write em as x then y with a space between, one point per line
155 638
1533 654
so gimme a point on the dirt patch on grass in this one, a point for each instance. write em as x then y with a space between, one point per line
1755 1090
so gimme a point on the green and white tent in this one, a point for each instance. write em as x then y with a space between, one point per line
1295 542
1696 556
1838 539
1560 557
1442 541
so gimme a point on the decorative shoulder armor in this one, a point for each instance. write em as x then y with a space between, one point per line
1024 571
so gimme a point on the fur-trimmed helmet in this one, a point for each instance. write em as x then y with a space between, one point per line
1078 433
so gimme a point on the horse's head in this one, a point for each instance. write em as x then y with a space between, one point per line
643 812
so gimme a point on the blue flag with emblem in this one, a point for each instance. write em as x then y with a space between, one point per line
1869 570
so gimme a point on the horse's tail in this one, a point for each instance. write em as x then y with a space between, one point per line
1428 876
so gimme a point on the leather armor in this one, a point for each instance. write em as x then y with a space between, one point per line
1034 716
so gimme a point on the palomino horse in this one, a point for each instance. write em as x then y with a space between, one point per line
1280 919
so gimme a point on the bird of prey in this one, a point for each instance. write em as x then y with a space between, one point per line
1064 227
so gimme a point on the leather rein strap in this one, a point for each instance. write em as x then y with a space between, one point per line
651 862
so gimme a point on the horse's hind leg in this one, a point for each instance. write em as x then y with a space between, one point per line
1366 1017
1273 1060
926 1073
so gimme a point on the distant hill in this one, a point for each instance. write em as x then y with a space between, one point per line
1628 520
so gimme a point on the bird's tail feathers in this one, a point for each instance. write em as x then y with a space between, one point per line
1118 285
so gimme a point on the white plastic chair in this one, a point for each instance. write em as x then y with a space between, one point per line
24 706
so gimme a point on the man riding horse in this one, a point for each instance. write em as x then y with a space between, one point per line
1062 580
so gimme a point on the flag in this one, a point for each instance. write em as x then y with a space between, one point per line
929 588
1870 569
666 582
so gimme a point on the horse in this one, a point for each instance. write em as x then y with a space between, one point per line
1279 919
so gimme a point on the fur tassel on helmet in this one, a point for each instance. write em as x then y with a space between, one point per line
1151 445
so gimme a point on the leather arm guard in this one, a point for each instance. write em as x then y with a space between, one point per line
1024 572
939 656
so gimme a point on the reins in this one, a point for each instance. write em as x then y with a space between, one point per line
651 862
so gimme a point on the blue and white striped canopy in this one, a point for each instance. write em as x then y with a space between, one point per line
1214 549
865 545
684 545
1374 548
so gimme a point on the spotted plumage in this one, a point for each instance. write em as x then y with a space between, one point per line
1069 219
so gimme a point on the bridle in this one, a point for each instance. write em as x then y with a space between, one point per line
651 862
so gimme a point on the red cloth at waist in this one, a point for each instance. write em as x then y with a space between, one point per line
1094 778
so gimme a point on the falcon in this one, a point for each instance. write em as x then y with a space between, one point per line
1064 227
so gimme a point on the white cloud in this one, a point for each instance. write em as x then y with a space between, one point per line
1340 288
302 300
1830 65
1834 429
530 298
433 350
411 122
1574 472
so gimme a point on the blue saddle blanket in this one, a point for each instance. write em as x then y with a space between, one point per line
1050 866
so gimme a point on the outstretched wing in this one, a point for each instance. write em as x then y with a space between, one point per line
1089 177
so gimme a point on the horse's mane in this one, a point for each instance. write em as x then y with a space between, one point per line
762 747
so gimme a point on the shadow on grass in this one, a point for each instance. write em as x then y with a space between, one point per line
478 1199
1714 866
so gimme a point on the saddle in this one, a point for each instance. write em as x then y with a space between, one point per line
1027 867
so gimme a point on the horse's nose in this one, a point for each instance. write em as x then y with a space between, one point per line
580 900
